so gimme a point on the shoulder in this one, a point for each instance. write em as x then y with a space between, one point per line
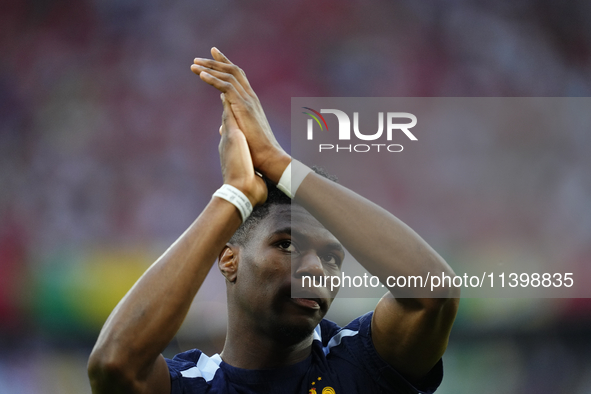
350 348
193 368
331 335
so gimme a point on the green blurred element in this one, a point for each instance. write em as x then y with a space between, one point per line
51 302
73 292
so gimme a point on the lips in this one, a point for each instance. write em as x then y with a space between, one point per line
307 303
310 299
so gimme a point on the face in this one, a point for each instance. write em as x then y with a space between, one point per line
287 246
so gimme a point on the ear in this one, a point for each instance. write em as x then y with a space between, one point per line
228 262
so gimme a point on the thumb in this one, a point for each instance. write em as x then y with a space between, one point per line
228 120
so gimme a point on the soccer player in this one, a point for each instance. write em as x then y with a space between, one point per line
276 343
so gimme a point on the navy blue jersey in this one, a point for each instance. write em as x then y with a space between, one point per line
342 361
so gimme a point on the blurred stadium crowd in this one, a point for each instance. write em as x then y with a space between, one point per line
108 151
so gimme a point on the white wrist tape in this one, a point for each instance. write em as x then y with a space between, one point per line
292 177
237 198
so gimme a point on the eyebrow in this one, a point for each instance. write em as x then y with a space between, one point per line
336 246
283 230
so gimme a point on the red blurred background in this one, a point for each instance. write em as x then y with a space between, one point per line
108 151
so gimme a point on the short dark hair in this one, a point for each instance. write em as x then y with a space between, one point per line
274 197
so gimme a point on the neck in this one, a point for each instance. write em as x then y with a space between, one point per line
248 346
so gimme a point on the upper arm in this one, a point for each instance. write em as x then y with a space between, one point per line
158 381
112 378
412 334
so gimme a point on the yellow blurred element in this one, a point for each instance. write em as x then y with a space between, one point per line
103 278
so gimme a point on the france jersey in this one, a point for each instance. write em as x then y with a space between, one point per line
342 361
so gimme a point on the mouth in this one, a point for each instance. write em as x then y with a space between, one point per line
307 299
309 303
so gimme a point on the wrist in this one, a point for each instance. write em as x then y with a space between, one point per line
292 178
244 189
274 167
237 198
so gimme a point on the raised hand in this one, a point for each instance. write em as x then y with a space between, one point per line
235 159
268 156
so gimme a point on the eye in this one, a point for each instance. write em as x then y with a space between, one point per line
287 246
329 258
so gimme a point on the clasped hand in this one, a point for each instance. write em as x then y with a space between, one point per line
247 139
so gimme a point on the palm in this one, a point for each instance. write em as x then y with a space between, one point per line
236 161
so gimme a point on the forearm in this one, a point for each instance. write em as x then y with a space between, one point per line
382 243
148 317
377 239
406 328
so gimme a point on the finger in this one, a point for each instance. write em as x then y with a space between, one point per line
197 69
229 123
229 68
217 65
225 87
219 56
223 98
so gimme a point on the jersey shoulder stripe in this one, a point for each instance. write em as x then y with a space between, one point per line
205 368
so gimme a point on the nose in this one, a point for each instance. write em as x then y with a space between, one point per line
307 264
